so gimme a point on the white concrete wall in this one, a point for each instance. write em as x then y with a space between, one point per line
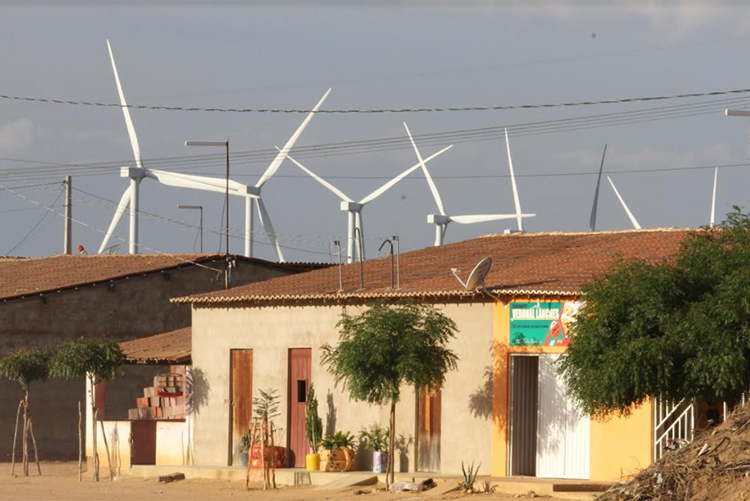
271 331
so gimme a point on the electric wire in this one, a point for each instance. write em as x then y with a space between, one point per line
398 142
194 162
376 110
218 230
33 228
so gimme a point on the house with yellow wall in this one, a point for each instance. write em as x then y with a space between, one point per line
505 406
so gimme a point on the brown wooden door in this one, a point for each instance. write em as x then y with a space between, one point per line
428 431
299 381
241 404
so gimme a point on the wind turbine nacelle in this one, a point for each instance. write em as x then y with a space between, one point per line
253 191
132 172
438 219
351 206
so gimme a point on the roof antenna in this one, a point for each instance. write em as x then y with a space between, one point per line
337 243
475 282
398 262
388 241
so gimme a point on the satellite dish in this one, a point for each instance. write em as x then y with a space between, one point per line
476 277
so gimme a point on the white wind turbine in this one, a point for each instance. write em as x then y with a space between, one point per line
624 206
355 208
131 196
713 197
516 198
442 220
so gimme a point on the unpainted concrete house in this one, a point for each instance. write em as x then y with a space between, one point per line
44 301
504 407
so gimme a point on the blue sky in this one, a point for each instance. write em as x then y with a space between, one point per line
374 55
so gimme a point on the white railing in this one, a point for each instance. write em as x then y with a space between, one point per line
674 423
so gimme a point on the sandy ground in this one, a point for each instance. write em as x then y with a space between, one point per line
59 481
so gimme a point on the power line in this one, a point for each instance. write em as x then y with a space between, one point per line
218 230
31 231
375 110
392 143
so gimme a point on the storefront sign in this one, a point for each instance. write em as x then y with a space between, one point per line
542 324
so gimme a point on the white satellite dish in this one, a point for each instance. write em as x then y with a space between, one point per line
477 275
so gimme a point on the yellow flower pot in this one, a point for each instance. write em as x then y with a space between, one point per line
312 462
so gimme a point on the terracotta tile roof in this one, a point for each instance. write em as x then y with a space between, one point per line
550 264
28 277
170 347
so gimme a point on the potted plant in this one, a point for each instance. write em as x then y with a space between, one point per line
313 430
246 441
376 440
338 452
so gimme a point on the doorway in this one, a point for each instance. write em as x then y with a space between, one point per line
549 438
241 404
428 430
300 362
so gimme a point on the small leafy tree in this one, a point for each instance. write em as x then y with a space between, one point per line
313 422
387 346
26 367
671 329
95 360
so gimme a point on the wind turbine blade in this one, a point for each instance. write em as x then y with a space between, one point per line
625 206
126 112
713 197
375 194
322 181
433 188
213 184
265 221
124 203
513 183
482 218
592 221
289 144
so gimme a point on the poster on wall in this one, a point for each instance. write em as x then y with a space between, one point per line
542 324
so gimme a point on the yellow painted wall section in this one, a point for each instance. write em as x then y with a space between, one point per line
172 442
621 447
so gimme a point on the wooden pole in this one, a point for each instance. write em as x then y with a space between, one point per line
392 447
273 460
263 463
106 448
80 443
33 441
15 437
250 455
25 437
93 429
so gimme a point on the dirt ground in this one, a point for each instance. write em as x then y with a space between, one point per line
59 481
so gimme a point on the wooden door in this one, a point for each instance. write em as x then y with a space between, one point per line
300 361
241 405
428 430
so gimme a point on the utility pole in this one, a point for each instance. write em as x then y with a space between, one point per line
67 240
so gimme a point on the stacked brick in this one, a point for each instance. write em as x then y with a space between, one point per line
164 400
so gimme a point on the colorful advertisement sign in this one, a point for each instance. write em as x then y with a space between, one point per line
542 324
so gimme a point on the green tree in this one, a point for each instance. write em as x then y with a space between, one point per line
94 360
674 329
25 367
388 346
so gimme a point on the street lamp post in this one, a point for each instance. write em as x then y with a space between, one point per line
200 208
226 196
